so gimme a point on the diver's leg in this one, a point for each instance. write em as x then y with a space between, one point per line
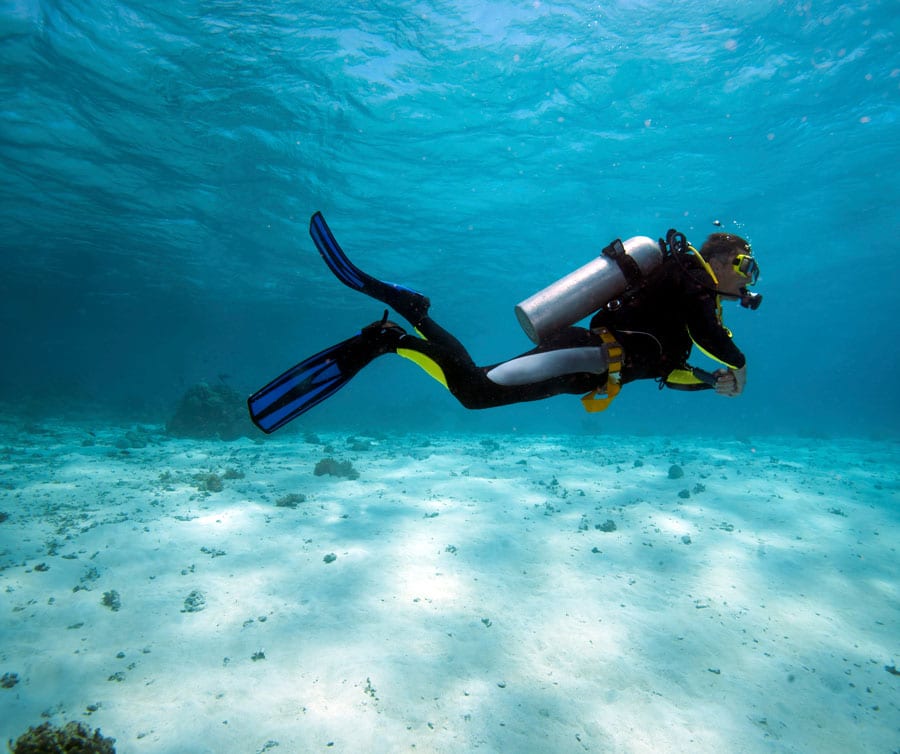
573 361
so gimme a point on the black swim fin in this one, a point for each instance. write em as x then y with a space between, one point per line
410 304
320 376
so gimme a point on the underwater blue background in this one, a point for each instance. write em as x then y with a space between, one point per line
160 162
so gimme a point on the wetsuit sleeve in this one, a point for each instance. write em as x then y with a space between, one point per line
705 327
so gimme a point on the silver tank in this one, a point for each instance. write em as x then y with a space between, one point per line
583 291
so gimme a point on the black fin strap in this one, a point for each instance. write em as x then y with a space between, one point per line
630 269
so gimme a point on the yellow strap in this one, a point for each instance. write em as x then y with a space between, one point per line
704 264
709 271
599 399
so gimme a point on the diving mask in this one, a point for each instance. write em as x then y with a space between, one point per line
745 266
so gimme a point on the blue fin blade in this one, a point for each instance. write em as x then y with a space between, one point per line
300 388
344 270
410 304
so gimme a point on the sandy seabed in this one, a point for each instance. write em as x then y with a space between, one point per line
492 593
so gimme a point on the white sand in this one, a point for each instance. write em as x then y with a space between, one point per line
472 605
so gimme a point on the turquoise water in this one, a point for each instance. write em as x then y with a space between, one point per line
161 160
688 574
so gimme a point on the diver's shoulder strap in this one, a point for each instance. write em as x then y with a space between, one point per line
629 267
679 247
599 399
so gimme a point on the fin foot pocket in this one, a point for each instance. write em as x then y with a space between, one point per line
383 335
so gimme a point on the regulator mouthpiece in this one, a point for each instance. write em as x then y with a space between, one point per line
749 300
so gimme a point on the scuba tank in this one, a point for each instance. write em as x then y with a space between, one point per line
620 267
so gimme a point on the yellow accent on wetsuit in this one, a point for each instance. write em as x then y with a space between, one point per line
710 355
683 377
430 366
672 376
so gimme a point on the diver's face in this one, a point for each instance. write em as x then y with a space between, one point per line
730 281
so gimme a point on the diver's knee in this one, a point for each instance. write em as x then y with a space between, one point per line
470 398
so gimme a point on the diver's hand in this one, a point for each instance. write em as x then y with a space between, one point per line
730 382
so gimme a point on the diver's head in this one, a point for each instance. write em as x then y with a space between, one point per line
731 259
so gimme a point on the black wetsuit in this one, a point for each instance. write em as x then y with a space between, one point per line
676 307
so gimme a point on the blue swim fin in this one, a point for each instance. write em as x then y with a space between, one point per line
300 388
410 304
320 376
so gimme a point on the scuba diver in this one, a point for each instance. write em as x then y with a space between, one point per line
651 301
